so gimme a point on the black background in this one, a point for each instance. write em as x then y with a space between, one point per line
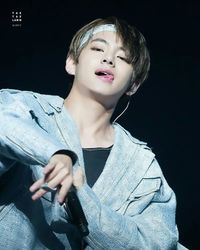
165 110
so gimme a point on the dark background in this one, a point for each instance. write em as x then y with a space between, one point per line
165 110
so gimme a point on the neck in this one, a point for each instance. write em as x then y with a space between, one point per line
92 120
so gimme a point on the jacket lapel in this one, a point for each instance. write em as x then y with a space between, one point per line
127 164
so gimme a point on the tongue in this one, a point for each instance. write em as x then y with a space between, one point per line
109 77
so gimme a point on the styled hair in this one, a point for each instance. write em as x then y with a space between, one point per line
133 41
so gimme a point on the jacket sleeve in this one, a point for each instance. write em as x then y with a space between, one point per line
147 223
21 138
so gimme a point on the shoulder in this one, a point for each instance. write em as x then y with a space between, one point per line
135 150
127 136
9 95
30 98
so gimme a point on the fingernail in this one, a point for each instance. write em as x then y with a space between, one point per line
60 200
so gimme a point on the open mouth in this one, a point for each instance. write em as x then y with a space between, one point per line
105 75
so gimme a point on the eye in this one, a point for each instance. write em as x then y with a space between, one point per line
97 49
123 59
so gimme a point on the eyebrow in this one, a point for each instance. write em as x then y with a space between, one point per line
105 42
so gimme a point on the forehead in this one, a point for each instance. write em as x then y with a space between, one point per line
107 38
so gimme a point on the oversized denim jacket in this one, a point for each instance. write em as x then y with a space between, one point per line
131 206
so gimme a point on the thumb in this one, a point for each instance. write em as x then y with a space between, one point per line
78 178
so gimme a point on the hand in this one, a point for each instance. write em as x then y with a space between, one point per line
58 174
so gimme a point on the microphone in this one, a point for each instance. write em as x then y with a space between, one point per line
73 207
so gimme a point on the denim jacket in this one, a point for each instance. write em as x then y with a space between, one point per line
130 206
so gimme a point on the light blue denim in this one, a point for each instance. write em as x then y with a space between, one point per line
131 206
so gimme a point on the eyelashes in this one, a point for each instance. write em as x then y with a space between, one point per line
97 49
101 50
124 59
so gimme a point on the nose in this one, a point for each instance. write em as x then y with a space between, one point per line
107 60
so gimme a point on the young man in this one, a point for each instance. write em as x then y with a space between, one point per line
49 144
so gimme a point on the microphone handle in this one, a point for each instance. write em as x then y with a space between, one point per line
74 208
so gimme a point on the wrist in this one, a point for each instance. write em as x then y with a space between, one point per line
69 153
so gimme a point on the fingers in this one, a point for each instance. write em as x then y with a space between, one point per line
62 193
39 194
48 168
36 185
53 180
57 170
57 175
78 178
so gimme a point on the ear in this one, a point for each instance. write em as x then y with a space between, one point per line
70 66
132 89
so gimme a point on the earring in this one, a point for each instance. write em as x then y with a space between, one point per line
127 105
129 93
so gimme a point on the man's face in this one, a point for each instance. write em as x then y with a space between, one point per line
102 70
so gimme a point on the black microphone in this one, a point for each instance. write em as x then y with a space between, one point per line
74 209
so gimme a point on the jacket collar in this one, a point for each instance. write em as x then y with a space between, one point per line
50 103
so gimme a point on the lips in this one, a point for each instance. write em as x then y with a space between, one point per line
105 75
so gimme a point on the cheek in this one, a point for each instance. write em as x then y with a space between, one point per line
127 76
82 72
126 79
